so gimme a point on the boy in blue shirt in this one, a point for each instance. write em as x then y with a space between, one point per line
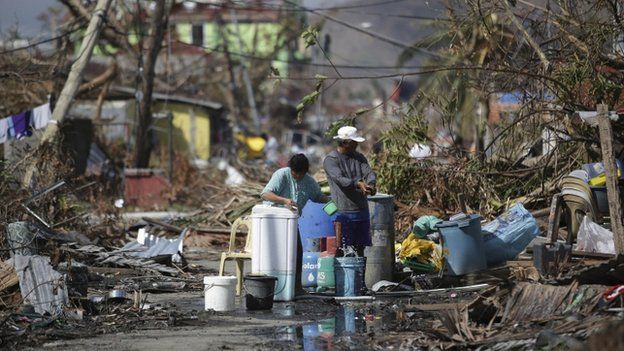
292 187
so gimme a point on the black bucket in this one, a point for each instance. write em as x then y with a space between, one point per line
259 291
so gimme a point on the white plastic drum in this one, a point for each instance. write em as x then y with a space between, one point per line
274 247
219 293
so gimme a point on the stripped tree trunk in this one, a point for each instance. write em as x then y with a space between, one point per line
73 80
160 19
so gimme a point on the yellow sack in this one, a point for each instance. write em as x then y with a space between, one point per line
414 247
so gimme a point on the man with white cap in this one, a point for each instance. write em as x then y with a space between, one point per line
351 179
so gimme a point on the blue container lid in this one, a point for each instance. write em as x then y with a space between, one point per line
460 222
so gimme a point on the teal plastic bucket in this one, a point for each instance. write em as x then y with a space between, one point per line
349 274
325 276
464 251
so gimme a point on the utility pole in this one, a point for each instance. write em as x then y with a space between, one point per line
73 80
250 93
170 144
237 105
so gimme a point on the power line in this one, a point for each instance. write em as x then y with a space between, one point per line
369 33
261 58
41 42
344 9
435 70
351 26
278 7
416 17
358 6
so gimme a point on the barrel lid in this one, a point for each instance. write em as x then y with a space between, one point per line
457 222
380 196
227 279
259 276
261 211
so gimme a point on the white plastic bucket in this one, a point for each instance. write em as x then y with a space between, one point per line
219 293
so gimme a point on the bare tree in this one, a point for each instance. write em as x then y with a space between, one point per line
160 20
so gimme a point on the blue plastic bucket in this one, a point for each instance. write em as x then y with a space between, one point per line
309 269
349 273
314 222
464 251
346 320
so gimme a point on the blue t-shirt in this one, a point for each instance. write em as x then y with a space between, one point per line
283 184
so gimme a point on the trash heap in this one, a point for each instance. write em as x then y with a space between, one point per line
54 286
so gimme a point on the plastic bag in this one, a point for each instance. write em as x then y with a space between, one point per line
594 238
506 236
425 225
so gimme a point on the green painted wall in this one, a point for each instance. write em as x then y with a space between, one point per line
191 128
266 35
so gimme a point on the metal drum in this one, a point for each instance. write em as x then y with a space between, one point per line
380 256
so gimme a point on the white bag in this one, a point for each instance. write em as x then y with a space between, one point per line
594 238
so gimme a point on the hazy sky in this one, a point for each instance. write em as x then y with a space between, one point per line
23 14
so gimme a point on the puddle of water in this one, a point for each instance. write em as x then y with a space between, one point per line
284 309
348 321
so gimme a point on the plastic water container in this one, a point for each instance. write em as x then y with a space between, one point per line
310 334
349 273
463 245
325 276
309 269
600 195
510 233
274 247
314 222
219 293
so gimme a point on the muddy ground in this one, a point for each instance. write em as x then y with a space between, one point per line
504 315
178 321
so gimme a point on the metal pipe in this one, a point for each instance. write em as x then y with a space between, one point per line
43 192
337 298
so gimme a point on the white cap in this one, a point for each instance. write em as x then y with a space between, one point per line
349 133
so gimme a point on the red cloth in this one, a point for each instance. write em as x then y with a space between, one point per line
613 292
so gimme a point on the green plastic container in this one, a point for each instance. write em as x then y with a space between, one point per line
325 274
330 208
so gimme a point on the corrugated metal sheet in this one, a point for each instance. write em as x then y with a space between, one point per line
153 246
40 285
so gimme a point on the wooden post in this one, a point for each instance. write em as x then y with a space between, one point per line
552 231
613 191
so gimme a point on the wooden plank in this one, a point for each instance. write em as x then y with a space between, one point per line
8 277
552 231
613 194
174 228
435 307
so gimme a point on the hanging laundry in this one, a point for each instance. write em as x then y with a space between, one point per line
21 124
4 130
41 116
